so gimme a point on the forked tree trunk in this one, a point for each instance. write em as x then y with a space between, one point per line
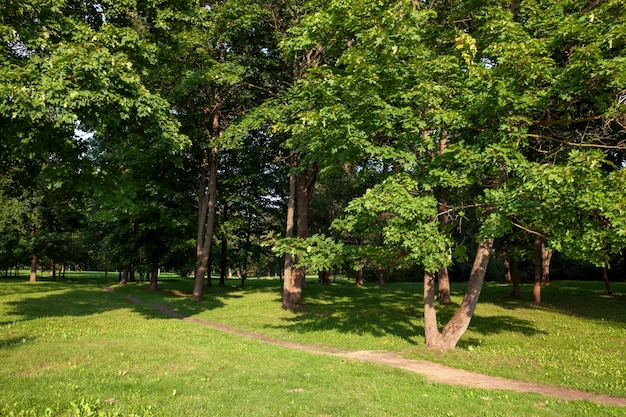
203 257
456 327
515 278
33 268
537 273
607 284
443 286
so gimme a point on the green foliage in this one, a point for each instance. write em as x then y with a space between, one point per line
315 253
573 204
510 90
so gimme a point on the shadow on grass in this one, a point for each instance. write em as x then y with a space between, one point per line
393 310
396 309
26 301
371 310
584 299
15 342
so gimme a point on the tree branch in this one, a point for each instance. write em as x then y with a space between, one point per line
591 7
549 122
582 145
527 230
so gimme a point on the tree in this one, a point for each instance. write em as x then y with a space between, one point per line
78 106
490 77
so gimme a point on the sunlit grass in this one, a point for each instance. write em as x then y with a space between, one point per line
73 349
575 339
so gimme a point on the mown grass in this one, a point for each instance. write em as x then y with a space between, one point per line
71 349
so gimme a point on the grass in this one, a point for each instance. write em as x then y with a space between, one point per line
68 348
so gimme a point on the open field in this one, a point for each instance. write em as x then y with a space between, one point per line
72 349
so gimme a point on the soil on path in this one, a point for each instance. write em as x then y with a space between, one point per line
434 372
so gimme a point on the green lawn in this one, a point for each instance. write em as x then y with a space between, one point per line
68 348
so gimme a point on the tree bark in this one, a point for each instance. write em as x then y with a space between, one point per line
607 284
324 276
124 277
154 279
456 327
224 251
381 275
546 258
33 268
305 183
443 278
203 204
506 263
203 259
53 268
359 277
288 286
515 278
443 286
538 270
209 270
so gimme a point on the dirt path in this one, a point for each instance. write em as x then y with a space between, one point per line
434 372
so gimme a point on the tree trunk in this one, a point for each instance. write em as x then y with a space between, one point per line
537 274
33 268
154 277
607 284
515 278
124 277
224 251
381 275
443 291
244 276
209 270
507 271
456 327
288 287
359 276
546 258
203 204
53 268
324 276
203 258
303 194
443 278
624 264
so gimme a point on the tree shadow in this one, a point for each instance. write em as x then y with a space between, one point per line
395 309
377 312
69 298
15 342
584 299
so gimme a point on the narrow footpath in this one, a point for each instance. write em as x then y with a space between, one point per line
434 372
